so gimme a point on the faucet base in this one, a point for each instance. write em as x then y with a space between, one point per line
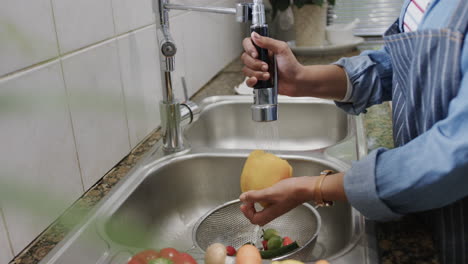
173 140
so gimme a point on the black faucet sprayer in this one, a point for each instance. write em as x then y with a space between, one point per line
265 106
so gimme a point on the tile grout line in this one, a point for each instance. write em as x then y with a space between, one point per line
72 126
82 48
124 101
2 216
55 26
71 53
115 37
62 73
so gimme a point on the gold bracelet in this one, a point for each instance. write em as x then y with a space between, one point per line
319 202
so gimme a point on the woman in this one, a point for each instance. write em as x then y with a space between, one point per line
423 70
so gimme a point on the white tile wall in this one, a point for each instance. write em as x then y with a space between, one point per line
37 151
190 30
94 86
132 14
141 81
226 37
27 34
67 121
231 35
210 41
219 22
6 253
210 54
178 27
82 23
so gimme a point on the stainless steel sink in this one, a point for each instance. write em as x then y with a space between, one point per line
193 185
303 124
160 201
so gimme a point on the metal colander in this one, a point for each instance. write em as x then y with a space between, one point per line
227 225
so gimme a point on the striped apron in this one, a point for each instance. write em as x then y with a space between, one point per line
426 77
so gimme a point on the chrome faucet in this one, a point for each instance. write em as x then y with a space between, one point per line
175 114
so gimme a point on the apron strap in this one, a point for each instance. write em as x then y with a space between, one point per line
459 20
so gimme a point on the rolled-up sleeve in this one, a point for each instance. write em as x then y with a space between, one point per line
429 172
371 77
362 192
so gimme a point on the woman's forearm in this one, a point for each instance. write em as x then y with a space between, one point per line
333 188
324 81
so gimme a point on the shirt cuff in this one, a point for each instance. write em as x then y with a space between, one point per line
361 189
349 89
355 69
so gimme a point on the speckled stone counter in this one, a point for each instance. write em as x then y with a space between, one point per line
404 241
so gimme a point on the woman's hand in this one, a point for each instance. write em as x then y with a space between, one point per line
281 198
288 194
288 67
294 79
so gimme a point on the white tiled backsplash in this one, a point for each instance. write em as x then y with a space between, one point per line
79 88
5 250
27 34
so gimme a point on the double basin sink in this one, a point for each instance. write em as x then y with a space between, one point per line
163 197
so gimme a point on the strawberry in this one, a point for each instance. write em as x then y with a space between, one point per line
265 244
231 251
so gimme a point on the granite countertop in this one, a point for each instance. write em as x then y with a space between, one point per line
404 241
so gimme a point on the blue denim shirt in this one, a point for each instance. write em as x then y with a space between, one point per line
429 172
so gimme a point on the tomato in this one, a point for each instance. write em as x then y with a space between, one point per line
168 253
184 258
287 241
144 256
